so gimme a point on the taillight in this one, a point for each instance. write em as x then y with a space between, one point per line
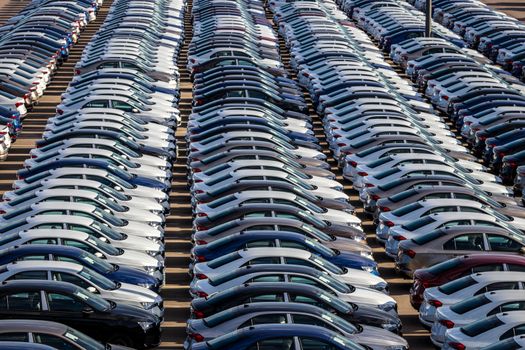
384 209
18 104
362 173
447 323
457 346
341 144
202 215
410 253
369 185
512 164
501 154
399 238
77 71
435 303
200 258
389 223
445 97
197 337
201 242
59 111
375 197
201 228
201 276
198 314
352 163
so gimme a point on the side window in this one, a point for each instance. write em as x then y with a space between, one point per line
123 106
486 268
294 261
315 344
98 104
34 257
465 196
271 278
438 196
465 242
62 302
499 286
44 241
21 302
503 244
273 344
265 298
264 260
511 306
455 223
518 268
80 245
29 275
53 341
288 244
446 209
264 319
518 330
307 319
261 244
66 277
22 337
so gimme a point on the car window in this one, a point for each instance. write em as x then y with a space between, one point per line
445 209
269 278
123 106
311 320
510 306
264 260
29 275
62 302
29 301
265 298
499 286
264 319
315 344
502 243
465 242
514 267
518 330
445 195
18 337
273 344
33 257
486 268
53 341
67 277
98 104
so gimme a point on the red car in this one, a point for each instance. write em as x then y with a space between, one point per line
458 267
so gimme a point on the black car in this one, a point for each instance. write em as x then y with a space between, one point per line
294 292
80 309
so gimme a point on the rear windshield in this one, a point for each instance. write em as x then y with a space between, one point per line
454 286
225 259
482 326
416 224
402 195
424 239
470 304
406 209
444 266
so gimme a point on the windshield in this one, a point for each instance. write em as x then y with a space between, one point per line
95 262
83 341
105 247
93 300
98 279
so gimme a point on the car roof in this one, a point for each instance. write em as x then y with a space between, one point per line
49 327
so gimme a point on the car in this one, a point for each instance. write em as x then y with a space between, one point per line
472 309
49 252
23 299
516 342
449 242
202 330
45 335
452 269
310 337
483 332
86 278
358 276
462 288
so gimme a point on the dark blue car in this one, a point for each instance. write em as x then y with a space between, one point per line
113 272
280 336
232 243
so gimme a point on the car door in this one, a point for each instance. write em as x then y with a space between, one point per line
501 243
72 311
53 341
463 244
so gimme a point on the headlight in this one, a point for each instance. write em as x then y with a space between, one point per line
154 224
151 269
147 306
381 286
349 211
146 285
392 327
145 325
368 268
151 253
388 306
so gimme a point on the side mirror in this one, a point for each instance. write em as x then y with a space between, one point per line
92 290
522 251
135 110
99 255
87 311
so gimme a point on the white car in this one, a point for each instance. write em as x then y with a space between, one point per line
152 264
473 309
284 256
485 332
460 289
